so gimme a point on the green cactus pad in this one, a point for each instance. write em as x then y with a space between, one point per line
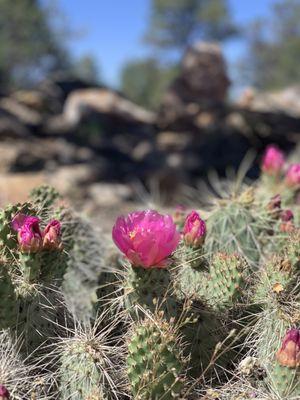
154 362
201 335
284 381
190 282
274 280
38 315
150 289
44 197
233 228
79 375
86 247
30 266
226 281
8 307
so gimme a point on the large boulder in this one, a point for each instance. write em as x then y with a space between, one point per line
109 106
103 101
203 82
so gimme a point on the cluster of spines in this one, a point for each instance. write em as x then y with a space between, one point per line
155 364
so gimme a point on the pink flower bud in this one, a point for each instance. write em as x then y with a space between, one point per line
4 394
287 224
147 238
29 234
194 230
289 353
52 236
286 215
292 177
275 203
273 161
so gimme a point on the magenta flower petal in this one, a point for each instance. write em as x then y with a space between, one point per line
273 161
289 353
286 215
292 177
194 230
147 238
18 221
52 236
4 394
29 233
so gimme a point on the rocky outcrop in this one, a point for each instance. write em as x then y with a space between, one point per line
286 101
93 143
202 83
103 101
83 103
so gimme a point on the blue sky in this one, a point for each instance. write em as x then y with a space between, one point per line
112 30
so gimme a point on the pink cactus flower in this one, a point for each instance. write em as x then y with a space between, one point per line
289 353
147 238
292 177
52 236
4 394
194 230
273 161
29 233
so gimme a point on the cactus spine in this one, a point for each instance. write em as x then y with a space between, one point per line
154 361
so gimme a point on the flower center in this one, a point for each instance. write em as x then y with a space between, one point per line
132 234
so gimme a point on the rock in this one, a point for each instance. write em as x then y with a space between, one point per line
24 114
285 101
109 194
8 155
11 127
33 99
173 141
142 150
204 73
202 83
103 101
22 155
59 86
101 110
70 180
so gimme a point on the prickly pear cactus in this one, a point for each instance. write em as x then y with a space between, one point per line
30 266
190 282
44 197
8 308
283 373
154 361
80 376
15 376
284 381
275 279
233 227
221 287
226 281
150 289
39 315
203 333
86 246
87 364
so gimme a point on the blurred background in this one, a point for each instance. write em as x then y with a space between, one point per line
107 100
